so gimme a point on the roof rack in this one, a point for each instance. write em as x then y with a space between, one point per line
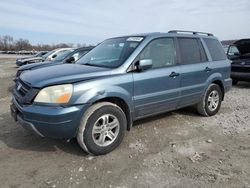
193 32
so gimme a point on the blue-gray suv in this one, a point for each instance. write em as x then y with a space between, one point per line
121 80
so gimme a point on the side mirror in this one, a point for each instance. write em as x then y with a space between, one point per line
70 60
53 56
144 64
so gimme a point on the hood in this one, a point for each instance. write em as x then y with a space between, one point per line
38 65
62 74
243 46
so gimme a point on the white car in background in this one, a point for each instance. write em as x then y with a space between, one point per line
47 57
54 53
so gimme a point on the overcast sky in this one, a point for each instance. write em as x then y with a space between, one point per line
82 21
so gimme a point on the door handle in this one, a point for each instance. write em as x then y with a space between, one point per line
207 69
174 74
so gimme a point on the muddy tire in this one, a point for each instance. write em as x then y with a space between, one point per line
102 128
211 101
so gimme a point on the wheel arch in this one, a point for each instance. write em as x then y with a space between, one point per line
122 104
220 84
217 79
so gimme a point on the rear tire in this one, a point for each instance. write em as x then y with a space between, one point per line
211 101
102 128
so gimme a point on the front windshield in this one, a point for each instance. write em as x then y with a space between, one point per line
63 55
111 53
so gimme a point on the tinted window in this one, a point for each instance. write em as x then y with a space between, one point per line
161 51
191 51
215 49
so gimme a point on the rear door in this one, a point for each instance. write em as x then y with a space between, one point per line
219 62
194 70
157 89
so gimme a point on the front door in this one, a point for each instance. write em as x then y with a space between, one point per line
157 89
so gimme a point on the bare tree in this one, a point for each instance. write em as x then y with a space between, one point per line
23 44
8 43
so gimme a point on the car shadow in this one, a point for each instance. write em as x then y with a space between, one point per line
15 137
242 84
188 111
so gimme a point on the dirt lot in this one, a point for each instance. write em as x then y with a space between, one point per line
176 149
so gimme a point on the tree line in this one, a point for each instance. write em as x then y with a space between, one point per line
8 43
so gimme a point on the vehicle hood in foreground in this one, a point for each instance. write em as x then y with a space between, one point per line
62 74
38 65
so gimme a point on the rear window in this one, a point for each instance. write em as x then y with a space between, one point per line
215 49
191 51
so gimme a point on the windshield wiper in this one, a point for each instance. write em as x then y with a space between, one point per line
89 64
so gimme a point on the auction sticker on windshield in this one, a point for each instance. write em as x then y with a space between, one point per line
135 39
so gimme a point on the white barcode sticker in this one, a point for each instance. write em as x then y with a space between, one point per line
135 39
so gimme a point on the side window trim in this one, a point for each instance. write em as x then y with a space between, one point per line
201 47
206 50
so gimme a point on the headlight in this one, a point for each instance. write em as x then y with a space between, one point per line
55 94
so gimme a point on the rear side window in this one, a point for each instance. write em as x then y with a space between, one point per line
191 51
215 49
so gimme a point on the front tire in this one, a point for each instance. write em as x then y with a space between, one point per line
211 101
102 128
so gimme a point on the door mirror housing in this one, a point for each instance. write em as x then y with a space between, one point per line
144 64
70 60
53 56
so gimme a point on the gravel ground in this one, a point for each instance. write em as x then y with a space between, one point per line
176 149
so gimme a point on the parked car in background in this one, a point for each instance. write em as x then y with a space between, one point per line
69 56
46 57
225 48
121 80
19 61
239 54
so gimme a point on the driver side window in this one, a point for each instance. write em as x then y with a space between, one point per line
161 51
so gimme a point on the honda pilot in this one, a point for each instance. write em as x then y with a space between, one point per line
121 80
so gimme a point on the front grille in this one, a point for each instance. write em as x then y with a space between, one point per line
24 93
22 87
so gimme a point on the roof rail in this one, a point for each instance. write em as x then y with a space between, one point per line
193 32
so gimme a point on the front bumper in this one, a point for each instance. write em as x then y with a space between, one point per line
47 121
241 76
